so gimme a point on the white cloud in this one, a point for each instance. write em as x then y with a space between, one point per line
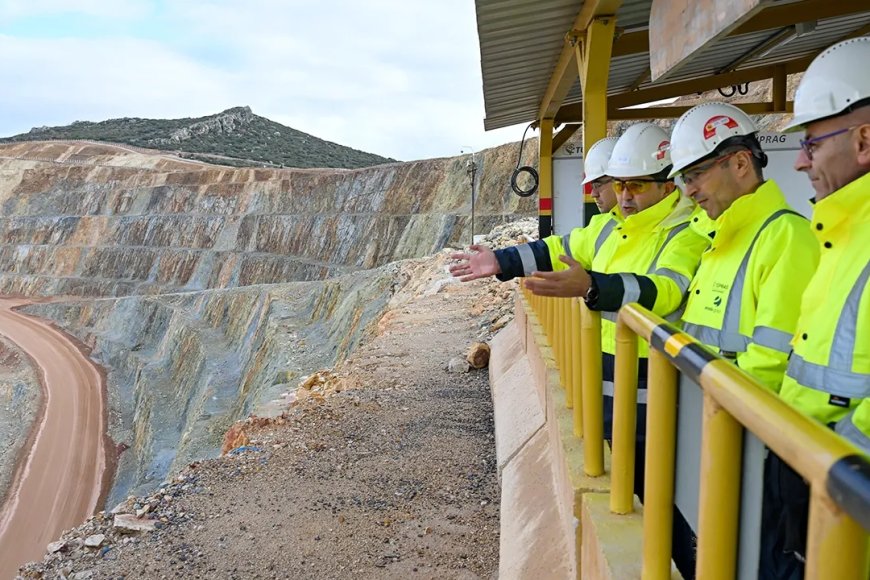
396 78
114 10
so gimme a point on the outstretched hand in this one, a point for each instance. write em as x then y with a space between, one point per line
471 266
574 281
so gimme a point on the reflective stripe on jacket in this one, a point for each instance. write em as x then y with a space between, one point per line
543 255
828 374
744 300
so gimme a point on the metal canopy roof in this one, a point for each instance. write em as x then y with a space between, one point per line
521 42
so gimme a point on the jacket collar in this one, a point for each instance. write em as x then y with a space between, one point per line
849 203
653 216
750 208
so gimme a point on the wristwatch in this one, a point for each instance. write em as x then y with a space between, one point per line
592 293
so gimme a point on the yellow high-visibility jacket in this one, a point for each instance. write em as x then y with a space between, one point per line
744 300
649 258
828 375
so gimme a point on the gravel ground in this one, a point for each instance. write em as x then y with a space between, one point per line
384 469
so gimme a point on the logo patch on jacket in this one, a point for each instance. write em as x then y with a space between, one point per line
838 401
719 291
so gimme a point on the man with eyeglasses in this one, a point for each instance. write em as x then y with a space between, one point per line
743 301
828 375
744 298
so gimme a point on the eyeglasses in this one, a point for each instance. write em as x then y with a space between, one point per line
601 182
694 174
810 145
633 186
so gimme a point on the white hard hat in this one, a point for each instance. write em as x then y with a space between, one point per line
641 150
834 81
701 129
597 158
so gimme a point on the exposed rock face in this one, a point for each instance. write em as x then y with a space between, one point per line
183 367
114 231
226 122
20 397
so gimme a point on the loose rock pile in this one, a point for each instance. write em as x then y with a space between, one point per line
131 521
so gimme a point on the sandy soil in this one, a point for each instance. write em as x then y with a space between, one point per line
386 470
58 483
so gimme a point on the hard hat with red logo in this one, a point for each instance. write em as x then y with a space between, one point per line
834 83
705 129
641 150
597 158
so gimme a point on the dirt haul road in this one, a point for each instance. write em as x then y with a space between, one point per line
58 479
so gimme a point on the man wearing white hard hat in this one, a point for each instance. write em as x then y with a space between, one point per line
828 375
743 301
595 169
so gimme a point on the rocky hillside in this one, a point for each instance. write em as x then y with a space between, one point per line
234 137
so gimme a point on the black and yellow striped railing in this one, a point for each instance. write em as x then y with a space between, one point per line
839 475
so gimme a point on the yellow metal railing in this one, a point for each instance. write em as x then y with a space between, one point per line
837 545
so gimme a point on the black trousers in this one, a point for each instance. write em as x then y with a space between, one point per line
784 516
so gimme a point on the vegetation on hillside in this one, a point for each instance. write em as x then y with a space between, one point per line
237 133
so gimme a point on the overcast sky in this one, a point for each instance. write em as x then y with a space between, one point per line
400 78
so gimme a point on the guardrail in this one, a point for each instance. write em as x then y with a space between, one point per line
838 473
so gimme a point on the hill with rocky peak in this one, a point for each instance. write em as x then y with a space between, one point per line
235 137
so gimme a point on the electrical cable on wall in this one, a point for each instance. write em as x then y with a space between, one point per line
742 89
533 173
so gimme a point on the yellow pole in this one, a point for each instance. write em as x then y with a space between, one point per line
593 61
576 368
568 354
561 342
719 505
661 443
837 546
550 316
545 178
624 421
555 339
545 317
593 399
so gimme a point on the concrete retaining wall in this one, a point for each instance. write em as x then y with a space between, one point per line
555 520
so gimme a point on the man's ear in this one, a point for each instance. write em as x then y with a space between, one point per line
670 186
862 145
744 162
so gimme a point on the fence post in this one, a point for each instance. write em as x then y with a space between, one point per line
624 420
661 443
836 544
568 352
719 509
593 399
577 368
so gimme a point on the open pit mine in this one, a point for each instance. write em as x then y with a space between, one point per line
150 302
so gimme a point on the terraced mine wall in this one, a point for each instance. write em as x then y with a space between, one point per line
206 292
183 367
106 230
